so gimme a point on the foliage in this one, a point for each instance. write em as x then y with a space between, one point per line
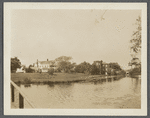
15 63
63 58
63 63
115 66
121 72
70 67
135 71
51 71
84 67
94 70
29 69
136 37
24 67
52 63
136 62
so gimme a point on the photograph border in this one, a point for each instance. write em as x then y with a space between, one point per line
94 112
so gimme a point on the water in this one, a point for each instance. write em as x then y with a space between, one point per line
122 93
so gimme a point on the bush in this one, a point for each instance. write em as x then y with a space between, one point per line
51 71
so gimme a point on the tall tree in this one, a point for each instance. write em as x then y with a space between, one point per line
83 67
136 43
136 37
115 66
63 63
94 70
63 58
15 63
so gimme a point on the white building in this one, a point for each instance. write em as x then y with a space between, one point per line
20 70
44 65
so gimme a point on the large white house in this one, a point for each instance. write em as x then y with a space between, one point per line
44 65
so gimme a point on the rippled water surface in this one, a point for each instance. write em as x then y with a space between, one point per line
122 93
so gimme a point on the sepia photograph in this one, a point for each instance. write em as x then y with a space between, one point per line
75 59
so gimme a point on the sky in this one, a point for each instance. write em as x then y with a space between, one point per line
85 35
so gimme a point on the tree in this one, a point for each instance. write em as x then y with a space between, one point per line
51 71
83 67
136 44
63 63
52 63
15 63
63 58
136 37
29 69
115 66
94 70
23 67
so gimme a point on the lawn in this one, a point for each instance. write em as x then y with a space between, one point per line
57 77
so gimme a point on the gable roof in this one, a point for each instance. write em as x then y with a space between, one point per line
45 62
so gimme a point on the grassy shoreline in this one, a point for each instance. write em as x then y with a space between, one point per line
29 78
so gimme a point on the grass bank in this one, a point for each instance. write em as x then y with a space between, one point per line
27 78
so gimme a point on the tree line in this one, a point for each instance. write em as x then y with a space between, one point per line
63 64
136 48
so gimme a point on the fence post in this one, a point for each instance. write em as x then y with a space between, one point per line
12 93
21 101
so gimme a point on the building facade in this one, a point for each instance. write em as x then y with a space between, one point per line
44 65
104 68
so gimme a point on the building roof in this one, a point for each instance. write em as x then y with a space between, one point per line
45 62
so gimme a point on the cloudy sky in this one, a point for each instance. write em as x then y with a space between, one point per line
85 35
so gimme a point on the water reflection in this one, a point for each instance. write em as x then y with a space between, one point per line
51 85
136 82
104 93
27 85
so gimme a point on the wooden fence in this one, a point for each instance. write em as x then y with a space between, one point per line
19 99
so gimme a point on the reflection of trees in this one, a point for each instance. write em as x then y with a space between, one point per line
101 81
51 85
27 85
65 89
64 85
98 82
135 83
18 84
110 79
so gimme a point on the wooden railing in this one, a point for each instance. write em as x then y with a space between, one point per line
22 99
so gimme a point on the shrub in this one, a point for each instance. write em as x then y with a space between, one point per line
51 71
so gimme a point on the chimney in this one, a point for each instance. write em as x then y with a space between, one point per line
47 59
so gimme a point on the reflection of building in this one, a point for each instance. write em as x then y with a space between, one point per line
44 65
